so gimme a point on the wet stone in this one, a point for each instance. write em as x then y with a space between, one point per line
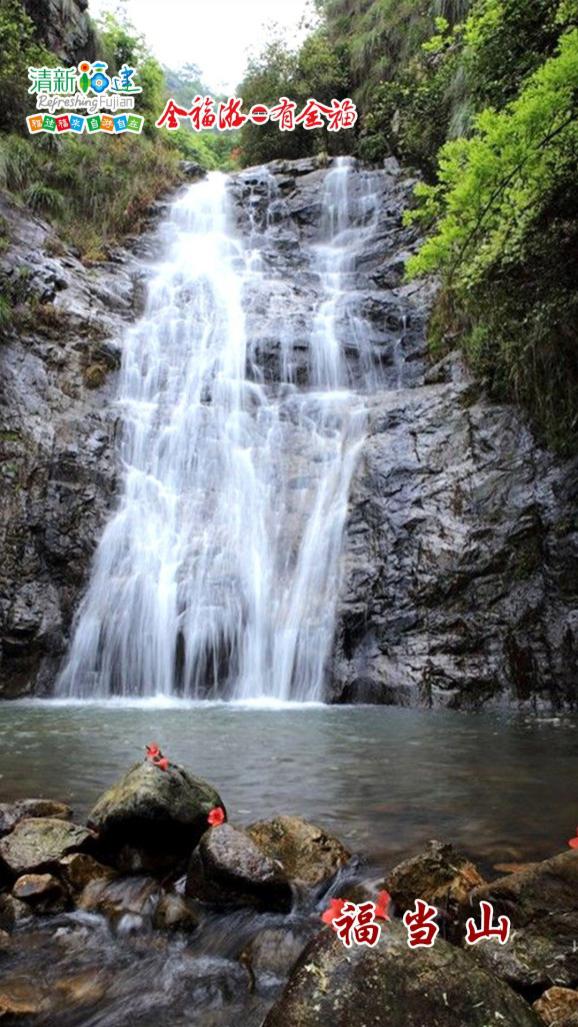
274 951
441 876
541 904
38 843
13 912
392 985
44 893
308 854
175 913
79 868
21 997
151 819
558 1007
138 896
229 870
12 812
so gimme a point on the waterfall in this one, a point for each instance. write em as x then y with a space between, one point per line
218 573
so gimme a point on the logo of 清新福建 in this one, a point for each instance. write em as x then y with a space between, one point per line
84 98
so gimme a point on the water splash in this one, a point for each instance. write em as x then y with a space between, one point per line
217 575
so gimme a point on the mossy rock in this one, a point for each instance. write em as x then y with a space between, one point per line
392 985
152 819
38 843
95 376
308 854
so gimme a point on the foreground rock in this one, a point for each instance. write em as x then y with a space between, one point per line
273 952
307 854
229 870
79 869
152 819
558 1007
20 998
175 913
44 893
12 812
13 913
460 560
440 876
392 985
542 903
37 844
137 895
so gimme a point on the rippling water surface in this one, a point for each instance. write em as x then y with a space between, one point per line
384 779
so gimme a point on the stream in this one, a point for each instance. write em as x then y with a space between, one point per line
384 780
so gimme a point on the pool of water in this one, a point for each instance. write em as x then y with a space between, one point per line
384 779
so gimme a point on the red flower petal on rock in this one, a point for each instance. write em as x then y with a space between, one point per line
162 763
382 905
334 910
216 816
152 750
573 843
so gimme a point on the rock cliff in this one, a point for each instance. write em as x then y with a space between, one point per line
459 572
64 26
58 360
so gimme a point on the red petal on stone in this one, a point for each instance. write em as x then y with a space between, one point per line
573 843
382 905
216 816
335 907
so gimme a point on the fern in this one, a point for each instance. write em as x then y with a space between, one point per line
41 198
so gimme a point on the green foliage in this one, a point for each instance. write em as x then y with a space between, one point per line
120 43
186 83
41 198
19 49
505 41
504 215
96 189
318 69
492 186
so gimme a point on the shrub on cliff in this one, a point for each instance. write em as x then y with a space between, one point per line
505 240
20 49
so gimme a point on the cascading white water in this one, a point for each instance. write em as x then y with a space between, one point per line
218 573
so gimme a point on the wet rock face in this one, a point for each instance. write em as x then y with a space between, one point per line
459 571
152 819
382 324
39 843
66 28
57 436
307 854
460 564
392 985
229 870
542 905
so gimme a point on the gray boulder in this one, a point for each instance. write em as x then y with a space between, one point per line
12 812
38 843
229 870
152 819
542 904
308 854
392 985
